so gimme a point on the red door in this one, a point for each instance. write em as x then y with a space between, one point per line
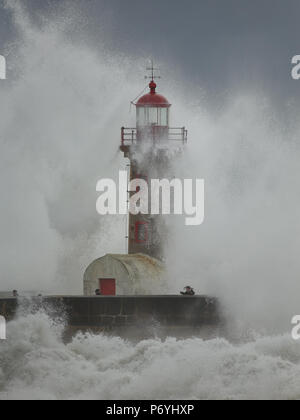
107 287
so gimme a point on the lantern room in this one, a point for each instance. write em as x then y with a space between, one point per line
152 109
152 123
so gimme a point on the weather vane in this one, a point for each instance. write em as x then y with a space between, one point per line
152 69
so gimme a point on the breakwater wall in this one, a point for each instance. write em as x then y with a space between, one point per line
117 312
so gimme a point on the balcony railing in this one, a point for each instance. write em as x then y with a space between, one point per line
132 136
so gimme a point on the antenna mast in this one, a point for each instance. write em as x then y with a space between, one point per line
152 69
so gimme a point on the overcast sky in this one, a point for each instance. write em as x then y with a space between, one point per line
218 44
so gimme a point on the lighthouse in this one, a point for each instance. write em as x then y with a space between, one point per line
151 147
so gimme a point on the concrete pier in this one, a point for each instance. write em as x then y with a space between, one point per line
116 313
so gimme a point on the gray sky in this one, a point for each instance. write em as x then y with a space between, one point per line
218 44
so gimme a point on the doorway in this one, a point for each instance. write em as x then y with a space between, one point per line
107 287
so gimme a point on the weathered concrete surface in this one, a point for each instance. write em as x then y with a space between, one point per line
131 272
117 312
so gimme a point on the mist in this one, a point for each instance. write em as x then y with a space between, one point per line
61 111
59 135
246 251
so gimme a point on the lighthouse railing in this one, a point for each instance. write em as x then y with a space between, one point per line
129 136
178 134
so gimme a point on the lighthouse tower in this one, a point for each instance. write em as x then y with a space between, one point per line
149 147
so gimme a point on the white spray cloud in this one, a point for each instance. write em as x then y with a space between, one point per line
246 252
58 137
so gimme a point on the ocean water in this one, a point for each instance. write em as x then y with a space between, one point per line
35 363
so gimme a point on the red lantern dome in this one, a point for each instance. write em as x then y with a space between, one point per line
153 99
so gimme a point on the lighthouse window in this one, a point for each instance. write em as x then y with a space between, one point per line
163 114
141 116
152 116
141 232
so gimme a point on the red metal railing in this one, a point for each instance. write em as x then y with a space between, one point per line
131 136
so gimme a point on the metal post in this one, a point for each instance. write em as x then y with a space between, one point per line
122 136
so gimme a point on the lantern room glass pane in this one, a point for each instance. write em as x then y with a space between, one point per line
140 116
152 116
164 116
